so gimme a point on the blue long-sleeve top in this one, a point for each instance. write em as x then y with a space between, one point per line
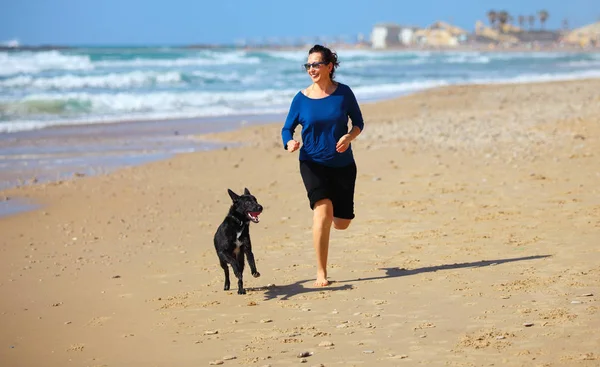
324 121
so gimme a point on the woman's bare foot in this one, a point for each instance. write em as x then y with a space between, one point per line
321 280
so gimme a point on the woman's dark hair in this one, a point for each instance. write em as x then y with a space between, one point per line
327 55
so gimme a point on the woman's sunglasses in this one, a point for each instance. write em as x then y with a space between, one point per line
315 65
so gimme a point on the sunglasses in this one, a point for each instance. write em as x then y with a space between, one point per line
315 65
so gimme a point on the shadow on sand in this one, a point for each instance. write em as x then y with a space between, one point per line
297 288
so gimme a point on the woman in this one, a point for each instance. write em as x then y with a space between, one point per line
327 164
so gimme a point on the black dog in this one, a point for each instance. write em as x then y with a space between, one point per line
232 239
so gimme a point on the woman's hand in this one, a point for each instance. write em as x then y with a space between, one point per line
343 144
293 146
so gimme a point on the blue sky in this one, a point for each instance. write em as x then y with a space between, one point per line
137 22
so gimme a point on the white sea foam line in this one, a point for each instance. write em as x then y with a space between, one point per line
539 78
112 80
581 64
528 55
140 62
35 62
120 80
364 92
472 59
231 77
152 101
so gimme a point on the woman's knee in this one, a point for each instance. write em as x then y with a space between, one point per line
341 224
323 211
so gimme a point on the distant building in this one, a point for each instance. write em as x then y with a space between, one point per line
509 35
441 34
407 35
484 34
540 37
385 35
585 36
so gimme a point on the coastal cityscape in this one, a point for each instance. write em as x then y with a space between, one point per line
498 29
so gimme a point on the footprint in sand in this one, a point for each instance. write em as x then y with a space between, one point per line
98 321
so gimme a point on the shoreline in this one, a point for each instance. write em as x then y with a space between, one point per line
243 116
81 150
122 144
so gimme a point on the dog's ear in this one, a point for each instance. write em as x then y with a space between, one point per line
246 192
233 195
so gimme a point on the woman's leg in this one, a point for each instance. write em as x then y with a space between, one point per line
344 181
341 224
322 220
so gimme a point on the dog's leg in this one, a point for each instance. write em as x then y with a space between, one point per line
250 257
226 271
237 270
240 262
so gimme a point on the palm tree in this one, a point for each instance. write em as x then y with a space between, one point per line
543 15
503 18
521 21
492 17
565 24
531 20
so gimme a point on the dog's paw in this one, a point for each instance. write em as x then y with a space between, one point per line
256 274
241 291
226 287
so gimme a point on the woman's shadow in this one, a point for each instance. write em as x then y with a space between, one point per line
297 288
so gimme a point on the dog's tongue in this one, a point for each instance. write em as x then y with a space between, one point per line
254 215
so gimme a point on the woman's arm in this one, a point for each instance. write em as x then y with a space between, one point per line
355 113
291 122
354 132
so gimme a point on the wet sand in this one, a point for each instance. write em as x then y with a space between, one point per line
60 152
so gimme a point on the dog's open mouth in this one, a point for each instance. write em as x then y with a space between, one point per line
253 216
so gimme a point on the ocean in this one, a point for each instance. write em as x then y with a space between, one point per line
109 84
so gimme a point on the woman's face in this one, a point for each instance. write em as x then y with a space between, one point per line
317 70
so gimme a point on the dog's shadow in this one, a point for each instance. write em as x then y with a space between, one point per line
290 290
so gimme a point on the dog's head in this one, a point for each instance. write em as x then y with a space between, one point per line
246 205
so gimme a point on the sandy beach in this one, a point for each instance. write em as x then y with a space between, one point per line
475 243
